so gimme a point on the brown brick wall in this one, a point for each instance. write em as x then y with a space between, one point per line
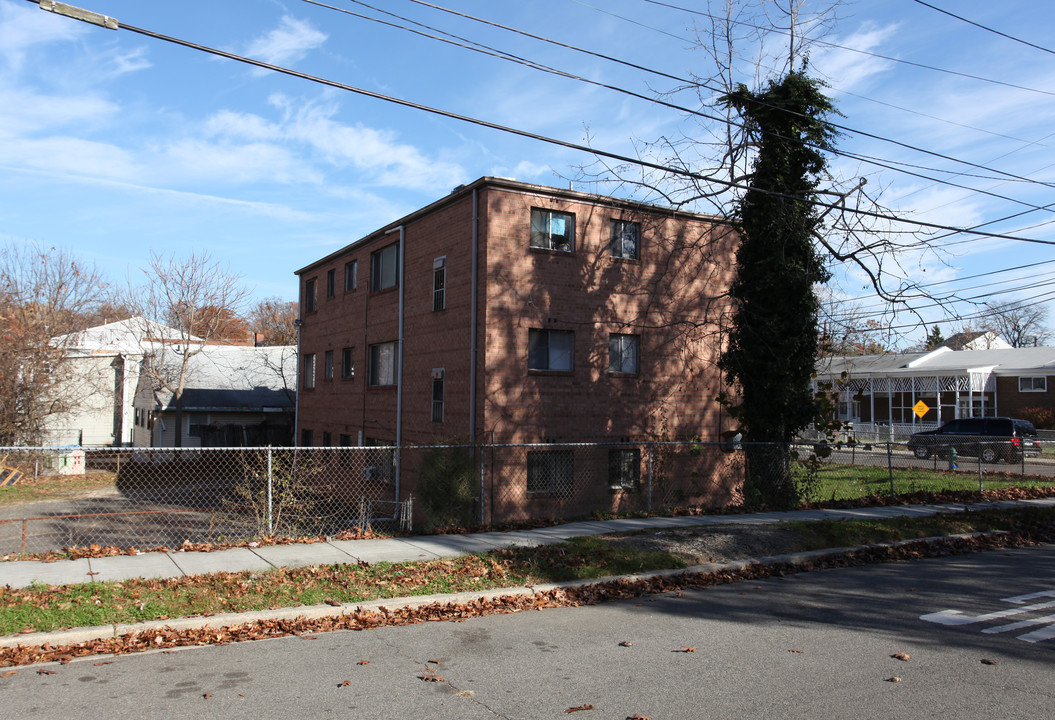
671 297
1010 402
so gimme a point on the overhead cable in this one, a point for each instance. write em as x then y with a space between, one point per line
560 143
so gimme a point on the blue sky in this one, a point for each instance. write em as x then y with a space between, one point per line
114 144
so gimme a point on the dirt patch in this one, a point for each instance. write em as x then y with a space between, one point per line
712 544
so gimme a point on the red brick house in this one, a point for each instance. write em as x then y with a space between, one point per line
508 312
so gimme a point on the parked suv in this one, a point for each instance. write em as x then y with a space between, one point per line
991 438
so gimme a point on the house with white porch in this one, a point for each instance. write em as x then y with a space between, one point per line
883 393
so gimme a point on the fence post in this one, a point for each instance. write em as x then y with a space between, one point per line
270 526
890 465
980 488
651 446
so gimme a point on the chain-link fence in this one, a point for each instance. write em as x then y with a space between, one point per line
77 497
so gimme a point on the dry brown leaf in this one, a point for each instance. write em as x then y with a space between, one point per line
580 707
432 677
987 661
346 683
331 602
435 662
363 662
45 671
104 662
901 656
9 673
893 679
795 651
638 717
686 649
206 695
626 643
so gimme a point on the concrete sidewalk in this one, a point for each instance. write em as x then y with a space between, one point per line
21 573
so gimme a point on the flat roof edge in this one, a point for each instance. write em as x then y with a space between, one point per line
463 191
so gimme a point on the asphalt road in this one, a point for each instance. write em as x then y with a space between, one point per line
804 646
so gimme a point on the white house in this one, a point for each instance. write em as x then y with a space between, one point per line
234 396
103 364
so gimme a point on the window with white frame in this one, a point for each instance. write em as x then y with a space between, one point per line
623 353
439 284
552 230
969 407
551 350
1036 383
351 270
308 371
382 369
550 471
384 268
624 468
626 238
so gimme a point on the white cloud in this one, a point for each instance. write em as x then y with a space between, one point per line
377 152
24 111
130 61
847 70
71 155
200 161
23 26
287 43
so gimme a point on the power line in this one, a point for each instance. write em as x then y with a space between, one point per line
986 28
838 47
876 161
553 141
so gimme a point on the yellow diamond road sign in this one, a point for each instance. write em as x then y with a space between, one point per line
921 409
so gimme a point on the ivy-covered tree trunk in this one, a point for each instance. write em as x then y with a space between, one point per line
773 345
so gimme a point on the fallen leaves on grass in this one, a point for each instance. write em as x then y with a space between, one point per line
619 589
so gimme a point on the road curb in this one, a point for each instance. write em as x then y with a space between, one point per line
76 636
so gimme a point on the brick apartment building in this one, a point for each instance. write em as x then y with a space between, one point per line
508 312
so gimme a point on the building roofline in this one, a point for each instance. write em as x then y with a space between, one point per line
510 184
